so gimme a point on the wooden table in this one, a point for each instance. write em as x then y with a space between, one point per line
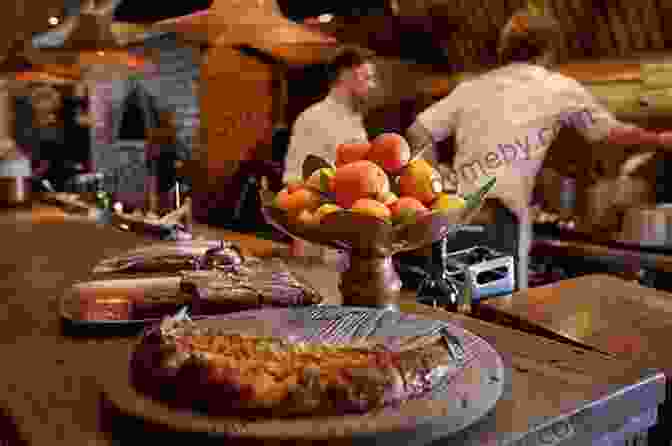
50 383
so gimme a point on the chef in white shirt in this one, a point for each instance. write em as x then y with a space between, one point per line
335 120
504 122
338 118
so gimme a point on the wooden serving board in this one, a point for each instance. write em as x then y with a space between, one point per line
461 396
604 312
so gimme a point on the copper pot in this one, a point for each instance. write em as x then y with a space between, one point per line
15 191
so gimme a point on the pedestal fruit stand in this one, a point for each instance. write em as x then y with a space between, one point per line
370 279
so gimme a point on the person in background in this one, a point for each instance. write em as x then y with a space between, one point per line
161 163
335 120
53 157
76 127
504 122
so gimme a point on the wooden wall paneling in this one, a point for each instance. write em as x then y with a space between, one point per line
472 44
459 40
502 11
491 31
458 43
563 16
619 31
478 20
582 29
652 25
603 6
664 9
583 15
633 22
553 9
605 44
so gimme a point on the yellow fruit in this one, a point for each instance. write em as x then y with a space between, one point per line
325 210
321 179
420 180
446 202
370 207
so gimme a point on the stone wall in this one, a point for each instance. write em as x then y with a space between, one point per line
170 82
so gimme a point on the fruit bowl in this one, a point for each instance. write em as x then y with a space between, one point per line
371 279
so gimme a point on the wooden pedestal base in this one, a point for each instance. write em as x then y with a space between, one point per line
371 282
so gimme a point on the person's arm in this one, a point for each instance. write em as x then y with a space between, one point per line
300 142
596 123
420 139
435 124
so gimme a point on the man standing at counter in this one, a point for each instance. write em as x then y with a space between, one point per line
335 120
504 122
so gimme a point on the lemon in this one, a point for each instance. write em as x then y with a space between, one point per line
325 210
445 202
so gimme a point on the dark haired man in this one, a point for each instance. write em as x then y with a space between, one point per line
504 123
336 119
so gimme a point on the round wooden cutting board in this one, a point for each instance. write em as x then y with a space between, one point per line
462 395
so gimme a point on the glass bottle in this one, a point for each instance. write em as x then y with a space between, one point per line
438 288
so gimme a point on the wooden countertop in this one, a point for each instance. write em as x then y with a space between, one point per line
50 382
631 259
602 311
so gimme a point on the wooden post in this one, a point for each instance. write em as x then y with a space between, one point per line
236 103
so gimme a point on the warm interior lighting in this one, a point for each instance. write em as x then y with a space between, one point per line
100 53
53 21
325 18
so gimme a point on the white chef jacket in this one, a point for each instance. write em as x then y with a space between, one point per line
505 121
319 130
